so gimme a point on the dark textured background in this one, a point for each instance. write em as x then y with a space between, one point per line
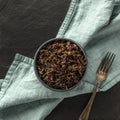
24 26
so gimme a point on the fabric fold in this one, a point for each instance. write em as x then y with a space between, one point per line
89 17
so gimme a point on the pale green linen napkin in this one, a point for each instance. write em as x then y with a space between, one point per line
92 23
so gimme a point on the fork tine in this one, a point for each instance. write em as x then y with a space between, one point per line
105 66
106 61
103 61
110 61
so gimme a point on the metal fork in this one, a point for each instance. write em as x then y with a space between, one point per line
101 76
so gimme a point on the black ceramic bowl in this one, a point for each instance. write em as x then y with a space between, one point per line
35 63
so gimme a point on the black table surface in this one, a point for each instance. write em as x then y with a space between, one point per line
24 26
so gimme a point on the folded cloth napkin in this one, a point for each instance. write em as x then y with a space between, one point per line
92 23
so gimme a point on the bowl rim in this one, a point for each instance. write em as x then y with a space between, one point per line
36 71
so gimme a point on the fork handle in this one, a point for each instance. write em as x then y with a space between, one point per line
85 114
